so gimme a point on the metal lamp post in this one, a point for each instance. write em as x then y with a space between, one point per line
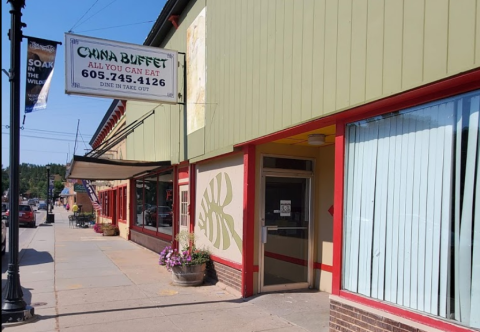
48 188
14 308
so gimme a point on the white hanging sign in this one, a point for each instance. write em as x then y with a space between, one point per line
111 69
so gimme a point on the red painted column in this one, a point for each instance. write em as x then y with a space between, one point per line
175 223
132 199
338 207
191 193
248 219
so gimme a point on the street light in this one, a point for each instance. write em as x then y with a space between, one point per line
48 188
14 308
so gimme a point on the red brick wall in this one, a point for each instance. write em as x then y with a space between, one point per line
148 241
225 274
84 200
346 318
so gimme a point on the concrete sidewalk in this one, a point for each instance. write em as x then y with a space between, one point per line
78 280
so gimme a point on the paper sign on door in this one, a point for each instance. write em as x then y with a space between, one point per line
285 208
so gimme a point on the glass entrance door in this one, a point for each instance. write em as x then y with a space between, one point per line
285 233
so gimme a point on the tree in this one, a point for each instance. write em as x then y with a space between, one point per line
33 179
5 179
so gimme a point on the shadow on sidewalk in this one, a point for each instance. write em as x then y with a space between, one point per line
42 317
30 256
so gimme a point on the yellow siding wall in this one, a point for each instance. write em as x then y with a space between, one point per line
274 64
152 140
162 135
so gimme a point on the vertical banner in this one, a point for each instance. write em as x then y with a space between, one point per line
93 196
40 62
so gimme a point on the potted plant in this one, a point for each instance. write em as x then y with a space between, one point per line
188 264
110 229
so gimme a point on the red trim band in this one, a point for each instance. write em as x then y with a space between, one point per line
293 260
323 267
298 261
222 261
405 313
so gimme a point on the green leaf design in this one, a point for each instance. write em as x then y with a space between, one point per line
218 226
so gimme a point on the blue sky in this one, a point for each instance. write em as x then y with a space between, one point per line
49 135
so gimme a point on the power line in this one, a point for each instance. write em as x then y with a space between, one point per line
7 147
83 15
117 26
83 141
96 13
52 132
47 138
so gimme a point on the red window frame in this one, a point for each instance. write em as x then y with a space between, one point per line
439 90
106 198
122 204
133 201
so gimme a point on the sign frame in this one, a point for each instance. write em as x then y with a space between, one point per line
117 70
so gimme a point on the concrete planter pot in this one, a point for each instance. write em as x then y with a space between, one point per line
188 275
108 232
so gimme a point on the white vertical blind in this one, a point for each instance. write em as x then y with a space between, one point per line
379 240
466 220
445 237
475 303
456 220
410 220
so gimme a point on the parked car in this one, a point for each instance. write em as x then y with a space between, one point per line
162 214
4 237
26 215
42 206
31 202
4 211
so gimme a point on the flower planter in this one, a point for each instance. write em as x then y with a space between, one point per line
188 275
108 232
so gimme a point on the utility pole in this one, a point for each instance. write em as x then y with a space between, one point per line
14 308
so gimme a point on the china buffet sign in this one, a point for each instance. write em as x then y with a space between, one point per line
110 69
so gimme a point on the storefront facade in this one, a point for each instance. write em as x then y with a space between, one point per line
326 145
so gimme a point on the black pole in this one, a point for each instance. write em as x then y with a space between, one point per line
14 308
48 190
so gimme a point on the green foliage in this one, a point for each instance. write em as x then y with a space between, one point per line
33 179
187 241
87 215
5 180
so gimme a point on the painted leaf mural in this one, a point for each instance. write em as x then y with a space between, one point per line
218 226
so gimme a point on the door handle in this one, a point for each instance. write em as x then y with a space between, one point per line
265 230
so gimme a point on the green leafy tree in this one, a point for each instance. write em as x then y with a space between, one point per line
5 179
33 179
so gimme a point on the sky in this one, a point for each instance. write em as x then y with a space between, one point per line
48 136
